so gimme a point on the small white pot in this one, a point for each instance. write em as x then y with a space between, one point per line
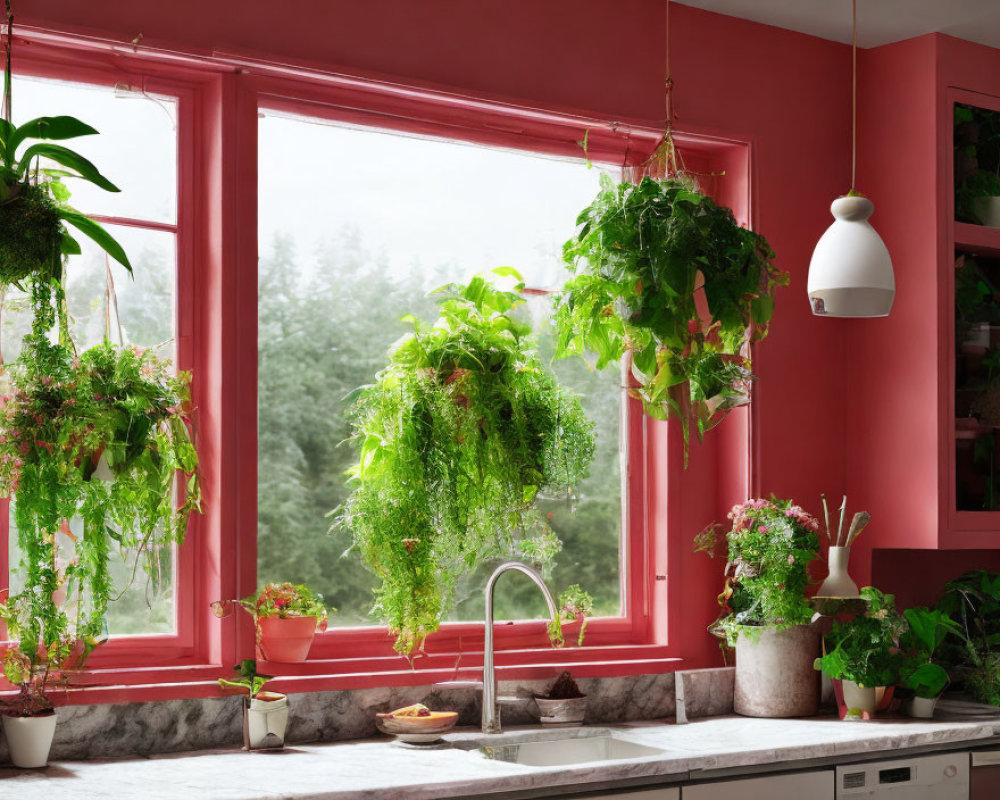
30 739
921 707
264 723
988 210
860 698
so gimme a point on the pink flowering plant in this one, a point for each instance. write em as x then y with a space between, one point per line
770 546
279 600
98 439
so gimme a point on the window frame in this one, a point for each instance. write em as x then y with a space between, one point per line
218 105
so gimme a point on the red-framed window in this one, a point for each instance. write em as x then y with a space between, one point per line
216 227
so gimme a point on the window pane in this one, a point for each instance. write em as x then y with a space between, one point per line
136 149
348 246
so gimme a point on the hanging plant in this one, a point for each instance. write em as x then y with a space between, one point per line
33 197
457 437
666 275
99 438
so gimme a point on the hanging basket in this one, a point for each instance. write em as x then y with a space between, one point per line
30 235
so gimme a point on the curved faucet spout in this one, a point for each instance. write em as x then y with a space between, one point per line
491 713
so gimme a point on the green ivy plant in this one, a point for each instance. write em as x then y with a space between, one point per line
927 629
456 438
663 273
63 417
865 649
973 601
770 546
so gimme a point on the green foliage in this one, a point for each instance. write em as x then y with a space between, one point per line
455 440
973 601
575 605
248 680
649 260
34 201
977 159
770 547
63 416
865 649
926 631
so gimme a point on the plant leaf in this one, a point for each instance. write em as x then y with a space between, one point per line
46 128
96 232
68 158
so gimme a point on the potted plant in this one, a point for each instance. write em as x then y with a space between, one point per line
29 719
286 617
265 714
576 606
456 439
921 675
766 615
973 602
977 165
562 705
863 658
665 274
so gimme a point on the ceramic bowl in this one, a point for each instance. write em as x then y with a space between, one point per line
417 730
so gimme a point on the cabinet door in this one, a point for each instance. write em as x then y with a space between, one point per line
665 793
812 785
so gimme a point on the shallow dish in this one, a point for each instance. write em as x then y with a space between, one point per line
417 729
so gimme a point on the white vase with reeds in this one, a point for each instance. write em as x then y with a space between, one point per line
838 582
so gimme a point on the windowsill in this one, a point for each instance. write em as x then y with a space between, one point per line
147 684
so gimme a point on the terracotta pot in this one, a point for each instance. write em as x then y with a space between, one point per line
30 739
285 640
775 676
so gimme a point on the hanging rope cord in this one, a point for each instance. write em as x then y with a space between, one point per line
7 62
854 92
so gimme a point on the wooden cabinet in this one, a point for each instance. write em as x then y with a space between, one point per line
905 452
817 785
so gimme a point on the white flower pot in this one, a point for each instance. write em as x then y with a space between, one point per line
30 739
860 698
988 210
921 707
264 723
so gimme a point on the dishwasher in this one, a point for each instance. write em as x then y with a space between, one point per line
938 777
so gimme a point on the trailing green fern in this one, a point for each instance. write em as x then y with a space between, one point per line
456 438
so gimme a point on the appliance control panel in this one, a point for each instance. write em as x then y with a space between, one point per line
940 777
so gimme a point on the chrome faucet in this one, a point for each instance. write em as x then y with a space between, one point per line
491 710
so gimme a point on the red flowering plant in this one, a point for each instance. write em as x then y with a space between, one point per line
280 600
770 546
97 440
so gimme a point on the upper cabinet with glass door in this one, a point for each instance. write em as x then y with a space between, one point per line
976 340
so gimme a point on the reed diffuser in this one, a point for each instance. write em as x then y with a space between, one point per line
838 583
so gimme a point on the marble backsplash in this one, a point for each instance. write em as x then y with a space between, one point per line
101 731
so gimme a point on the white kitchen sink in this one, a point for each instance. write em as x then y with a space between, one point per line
559 751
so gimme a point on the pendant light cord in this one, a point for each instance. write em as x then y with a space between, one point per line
854 93
8 44
668 82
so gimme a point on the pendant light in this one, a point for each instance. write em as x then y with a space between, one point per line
850 274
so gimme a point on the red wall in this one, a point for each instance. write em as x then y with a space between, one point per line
785 94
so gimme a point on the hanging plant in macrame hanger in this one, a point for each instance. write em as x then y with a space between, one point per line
668 278
34 198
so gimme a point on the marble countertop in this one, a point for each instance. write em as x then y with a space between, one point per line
385 770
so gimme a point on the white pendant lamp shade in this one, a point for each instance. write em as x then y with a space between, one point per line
850 274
